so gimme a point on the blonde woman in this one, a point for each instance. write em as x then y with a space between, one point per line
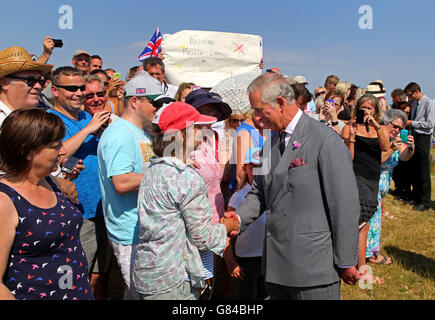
226 139
183 90
343 87
366 140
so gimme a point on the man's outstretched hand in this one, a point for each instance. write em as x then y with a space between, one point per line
350 275
231 222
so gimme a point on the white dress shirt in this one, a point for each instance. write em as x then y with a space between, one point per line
4 112
291 126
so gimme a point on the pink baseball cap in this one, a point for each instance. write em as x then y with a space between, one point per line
177 116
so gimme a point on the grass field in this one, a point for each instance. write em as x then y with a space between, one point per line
410 241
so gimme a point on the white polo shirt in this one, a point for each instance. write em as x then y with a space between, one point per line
4 111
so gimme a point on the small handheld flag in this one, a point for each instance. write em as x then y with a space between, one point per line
153 47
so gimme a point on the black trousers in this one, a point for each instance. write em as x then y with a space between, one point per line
420 169
252 287
402 178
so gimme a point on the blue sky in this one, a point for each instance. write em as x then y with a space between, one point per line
312 37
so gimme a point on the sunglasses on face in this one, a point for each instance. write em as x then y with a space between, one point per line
319 93
72 88
395 126
30 81
236 120
91 95
83 59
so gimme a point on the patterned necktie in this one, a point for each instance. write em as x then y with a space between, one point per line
282 142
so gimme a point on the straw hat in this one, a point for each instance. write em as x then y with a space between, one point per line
17 59
376 90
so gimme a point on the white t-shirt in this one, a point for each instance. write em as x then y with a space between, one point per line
250 243
4 112
170 90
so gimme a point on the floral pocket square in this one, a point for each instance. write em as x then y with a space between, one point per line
299 162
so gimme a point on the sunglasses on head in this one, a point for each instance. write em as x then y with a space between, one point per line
30 81
72 88
99 94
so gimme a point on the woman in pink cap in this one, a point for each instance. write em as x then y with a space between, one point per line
174 212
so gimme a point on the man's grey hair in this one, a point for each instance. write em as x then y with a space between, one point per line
391 114
92 78
272 85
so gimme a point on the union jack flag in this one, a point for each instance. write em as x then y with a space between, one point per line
153 48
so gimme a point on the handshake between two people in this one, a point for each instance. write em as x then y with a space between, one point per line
231 222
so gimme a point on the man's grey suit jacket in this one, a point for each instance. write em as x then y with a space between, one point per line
312 210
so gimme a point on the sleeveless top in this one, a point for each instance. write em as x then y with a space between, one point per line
257 141
367 158
344 114
47 259
367 168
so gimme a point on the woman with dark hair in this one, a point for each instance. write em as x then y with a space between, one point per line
331 110
351 99
366 140
41 256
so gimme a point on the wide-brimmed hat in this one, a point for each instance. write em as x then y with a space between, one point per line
376 90
17 59
200 97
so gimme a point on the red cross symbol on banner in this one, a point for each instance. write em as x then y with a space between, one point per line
238 48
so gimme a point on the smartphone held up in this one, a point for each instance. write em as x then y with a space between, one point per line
404 135
69 165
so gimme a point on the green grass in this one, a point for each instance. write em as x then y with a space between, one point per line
410 241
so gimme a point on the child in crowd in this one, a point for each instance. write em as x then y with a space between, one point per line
249 245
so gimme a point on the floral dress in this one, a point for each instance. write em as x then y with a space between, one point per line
175 224
374 235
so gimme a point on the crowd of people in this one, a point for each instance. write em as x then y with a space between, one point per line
256 189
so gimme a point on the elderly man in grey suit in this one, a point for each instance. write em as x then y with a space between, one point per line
310 197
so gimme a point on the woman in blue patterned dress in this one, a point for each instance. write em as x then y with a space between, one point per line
394 120
41 256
